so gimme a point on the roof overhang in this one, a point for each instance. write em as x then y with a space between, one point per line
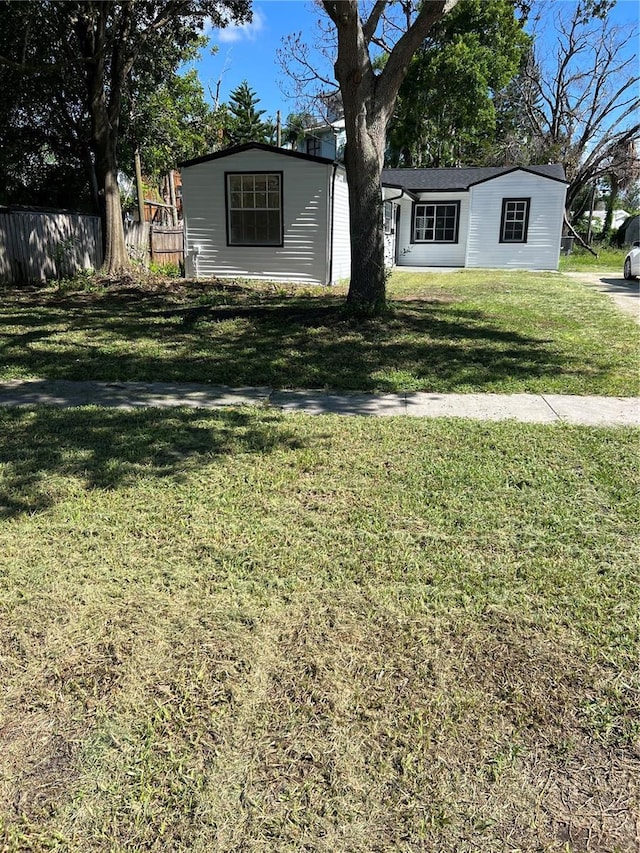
255 146
403 191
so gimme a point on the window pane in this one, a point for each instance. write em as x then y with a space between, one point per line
274 226
250 227
514 220
436 222
254 209
235 227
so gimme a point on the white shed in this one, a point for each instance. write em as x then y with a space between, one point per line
256 211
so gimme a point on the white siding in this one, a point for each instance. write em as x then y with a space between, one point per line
542 249
432 254
341 266
302 258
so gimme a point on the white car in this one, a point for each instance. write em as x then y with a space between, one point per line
632 262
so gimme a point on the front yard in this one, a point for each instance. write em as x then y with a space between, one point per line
469 331
239 631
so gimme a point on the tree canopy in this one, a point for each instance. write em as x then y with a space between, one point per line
445 114
95 61
170 122
577 97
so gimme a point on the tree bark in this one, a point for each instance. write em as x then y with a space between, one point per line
364 157
116 259
104 110
363 161
368 100
612 200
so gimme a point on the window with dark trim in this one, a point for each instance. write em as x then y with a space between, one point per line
436 222
254 208
313 146
514 223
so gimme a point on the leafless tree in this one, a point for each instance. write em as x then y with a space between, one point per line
580 98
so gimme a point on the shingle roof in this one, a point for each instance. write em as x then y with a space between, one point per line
451 180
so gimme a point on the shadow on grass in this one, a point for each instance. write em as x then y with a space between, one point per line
109 449
236 336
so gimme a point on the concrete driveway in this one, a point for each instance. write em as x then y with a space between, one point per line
625 294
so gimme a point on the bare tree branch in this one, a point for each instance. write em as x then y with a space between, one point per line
581 108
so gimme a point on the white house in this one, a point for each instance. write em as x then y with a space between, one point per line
325 140
494 216
256 211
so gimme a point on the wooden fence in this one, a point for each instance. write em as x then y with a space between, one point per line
36 246
162 244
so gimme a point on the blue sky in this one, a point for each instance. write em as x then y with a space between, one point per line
248 52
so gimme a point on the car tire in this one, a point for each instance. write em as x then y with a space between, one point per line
627 269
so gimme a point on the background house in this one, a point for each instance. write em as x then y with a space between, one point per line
631 230
324 140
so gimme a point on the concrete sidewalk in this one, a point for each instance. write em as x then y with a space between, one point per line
527 408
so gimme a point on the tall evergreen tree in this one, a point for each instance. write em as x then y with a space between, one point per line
246 124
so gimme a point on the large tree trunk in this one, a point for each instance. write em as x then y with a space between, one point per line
364 158
116 258
104 110
367 294
368 99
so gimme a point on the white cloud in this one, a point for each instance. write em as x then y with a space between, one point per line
243 32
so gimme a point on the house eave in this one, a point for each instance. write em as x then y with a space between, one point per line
526 169
403 191
465 181
255 146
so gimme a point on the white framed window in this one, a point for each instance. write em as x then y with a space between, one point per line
388 215
436 222
514 223
254 208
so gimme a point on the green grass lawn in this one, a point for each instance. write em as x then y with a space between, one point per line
243 631
609 259
240 631
460 332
